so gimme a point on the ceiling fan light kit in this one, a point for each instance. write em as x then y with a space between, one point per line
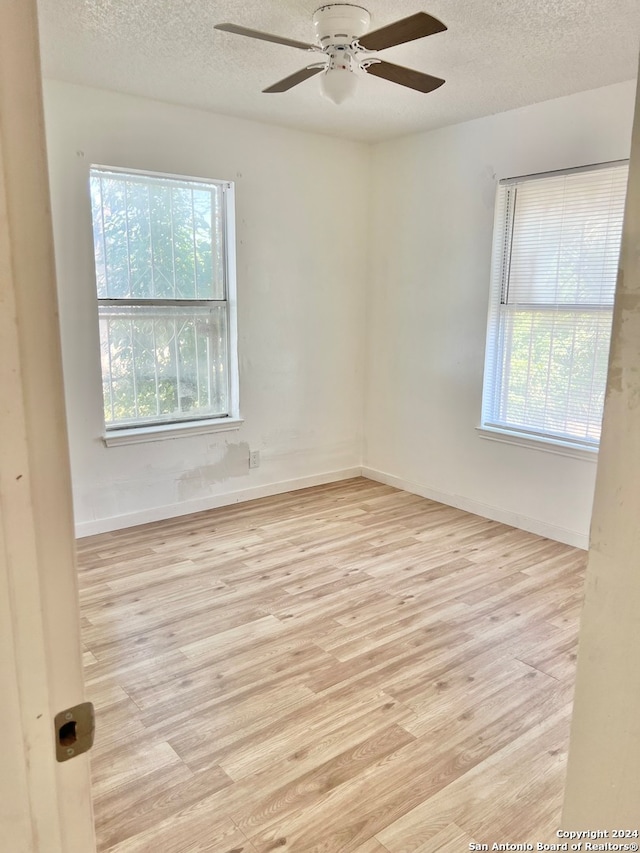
338 84
349 49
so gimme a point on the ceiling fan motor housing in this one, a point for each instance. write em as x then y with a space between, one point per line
340 24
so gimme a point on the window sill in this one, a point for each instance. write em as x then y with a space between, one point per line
548 445
160 432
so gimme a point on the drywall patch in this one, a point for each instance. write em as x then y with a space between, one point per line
232 461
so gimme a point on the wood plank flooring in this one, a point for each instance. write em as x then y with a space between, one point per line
346 669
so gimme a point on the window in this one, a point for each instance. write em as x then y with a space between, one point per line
164 259
555 262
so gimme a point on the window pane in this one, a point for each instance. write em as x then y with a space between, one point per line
202 223
554 372
161 241
98 236
114 230
163 363
137 240
157 238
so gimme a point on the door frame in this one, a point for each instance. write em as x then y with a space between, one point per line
44 805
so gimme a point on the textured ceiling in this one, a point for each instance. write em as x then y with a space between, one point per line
496 55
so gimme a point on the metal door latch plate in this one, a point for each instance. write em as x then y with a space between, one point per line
75 730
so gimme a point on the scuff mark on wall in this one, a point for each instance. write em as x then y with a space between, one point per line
232 461
623 362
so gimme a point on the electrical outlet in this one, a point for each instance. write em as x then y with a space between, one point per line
254 459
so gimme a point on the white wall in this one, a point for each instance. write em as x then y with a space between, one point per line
430 252
300 202
308 300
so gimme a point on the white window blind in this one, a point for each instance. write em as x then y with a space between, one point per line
555 262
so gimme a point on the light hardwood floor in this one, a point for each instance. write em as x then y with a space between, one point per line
345 668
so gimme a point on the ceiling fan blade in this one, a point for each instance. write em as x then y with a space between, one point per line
405 76
294 79
257 34
414 27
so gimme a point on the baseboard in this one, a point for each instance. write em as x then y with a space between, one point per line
160 513
532 525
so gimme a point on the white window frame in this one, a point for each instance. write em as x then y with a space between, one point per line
489 428
196 425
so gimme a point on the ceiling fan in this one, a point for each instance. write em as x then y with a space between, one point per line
348 49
